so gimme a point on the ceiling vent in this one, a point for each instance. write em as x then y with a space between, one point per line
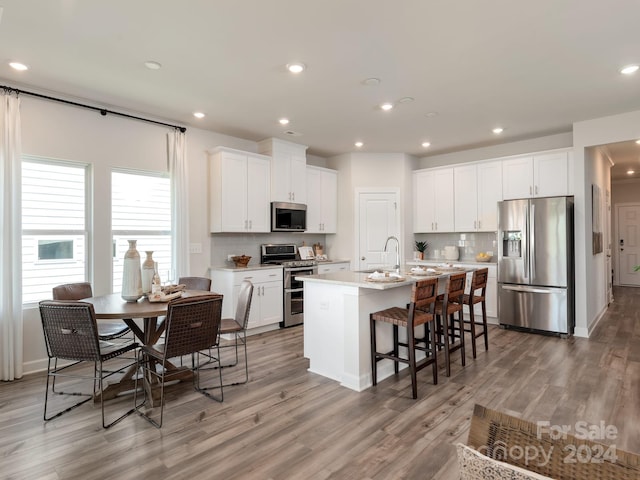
291 133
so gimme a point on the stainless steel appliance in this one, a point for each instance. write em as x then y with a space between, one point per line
536 264
293 298
288 217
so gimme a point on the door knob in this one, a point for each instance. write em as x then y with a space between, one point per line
363 258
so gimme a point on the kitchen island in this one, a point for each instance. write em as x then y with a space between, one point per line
336 325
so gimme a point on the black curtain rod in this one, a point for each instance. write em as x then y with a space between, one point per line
103 111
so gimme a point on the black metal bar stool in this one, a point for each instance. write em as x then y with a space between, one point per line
420 312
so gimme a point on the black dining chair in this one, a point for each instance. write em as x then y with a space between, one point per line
107 329
71 334
192 327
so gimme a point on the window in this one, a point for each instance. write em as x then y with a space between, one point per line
54 219
140 210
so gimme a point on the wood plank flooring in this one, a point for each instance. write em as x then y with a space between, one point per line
288 423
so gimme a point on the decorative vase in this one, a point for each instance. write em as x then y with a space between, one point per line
131 274
148 269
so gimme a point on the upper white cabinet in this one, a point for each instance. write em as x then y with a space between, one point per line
434 200
477 191
322 200
538 175
239 191
288 169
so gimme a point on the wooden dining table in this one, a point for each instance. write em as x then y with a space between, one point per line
153 315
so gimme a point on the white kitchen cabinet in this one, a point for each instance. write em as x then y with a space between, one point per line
333 267
322 200
266 301
239 191
288 169
433 208
477 191
491 297
537 175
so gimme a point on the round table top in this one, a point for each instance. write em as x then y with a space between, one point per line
112 306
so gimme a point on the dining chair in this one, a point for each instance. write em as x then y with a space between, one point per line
237 327
71 334
107 330
192 326
477 295
196 283
449 327
419 312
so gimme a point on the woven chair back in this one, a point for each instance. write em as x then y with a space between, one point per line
196 283
424 292
72 291
70 330
193 324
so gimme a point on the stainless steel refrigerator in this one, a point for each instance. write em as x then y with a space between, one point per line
536 264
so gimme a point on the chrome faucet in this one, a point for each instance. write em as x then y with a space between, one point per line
386 244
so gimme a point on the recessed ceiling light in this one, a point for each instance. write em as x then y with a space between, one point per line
371 82
426 144
283 121
430 114
198 114
359 144
18 66
498 130
629 69
386 106
630 172
296 67
406 100
638 142
153 65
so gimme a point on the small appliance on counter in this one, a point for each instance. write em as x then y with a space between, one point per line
451 252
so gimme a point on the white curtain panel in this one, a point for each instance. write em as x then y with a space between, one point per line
177 157
10 239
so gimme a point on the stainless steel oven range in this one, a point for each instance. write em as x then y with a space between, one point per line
293 299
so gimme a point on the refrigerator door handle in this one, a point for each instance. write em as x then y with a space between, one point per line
532 243
525 289
525 253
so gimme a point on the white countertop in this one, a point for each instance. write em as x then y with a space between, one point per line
434 262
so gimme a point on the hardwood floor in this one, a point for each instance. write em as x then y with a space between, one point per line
291 424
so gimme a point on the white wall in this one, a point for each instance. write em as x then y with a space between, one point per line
550 142
589 170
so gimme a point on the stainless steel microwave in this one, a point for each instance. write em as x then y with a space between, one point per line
288 217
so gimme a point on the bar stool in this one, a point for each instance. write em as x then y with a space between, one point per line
420 312
477 294
447 305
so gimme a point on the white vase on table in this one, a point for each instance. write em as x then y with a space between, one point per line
131 274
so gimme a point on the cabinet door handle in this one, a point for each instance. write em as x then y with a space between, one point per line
474 225
530 190
263 290
436 225
536 189
250 224
479 224
246 223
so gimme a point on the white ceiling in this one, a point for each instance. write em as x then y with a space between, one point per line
533 67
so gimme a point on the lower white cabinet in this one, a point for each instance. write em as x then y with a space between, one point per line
266 302
334 267
491 297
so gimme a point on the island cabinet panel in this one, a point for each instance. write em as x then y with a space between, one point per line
266 302
288 169
322 200
539 175
491 297
433 207
239 191
333 267
477 190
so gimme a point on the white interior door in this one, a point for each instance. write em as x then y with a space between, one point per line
378 219
628 243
